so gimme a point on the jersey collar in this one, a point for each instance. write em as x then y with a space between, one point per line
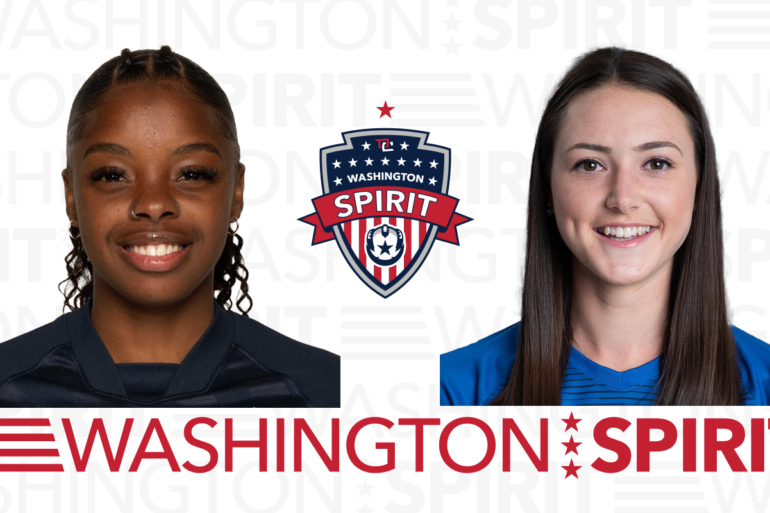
612 378
195 372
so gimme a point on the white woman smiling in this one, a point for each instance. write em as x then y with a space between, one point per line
154 188
623 301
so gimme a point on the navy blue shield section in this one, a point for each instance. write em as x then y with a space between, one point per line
385 258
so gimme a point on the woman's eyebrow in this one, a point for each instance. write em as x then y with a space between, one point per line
657 144
196 147
111 148
642 147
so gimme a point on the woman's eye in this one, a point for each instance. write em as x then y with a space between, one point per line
193 174
107 174
588 165
658 164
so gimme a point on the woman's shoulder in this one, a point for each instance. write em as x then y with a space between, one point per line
314 370
25 351
754 362
472 374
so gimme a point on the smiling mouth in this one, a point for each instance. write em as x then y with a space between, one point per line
156 249
624 233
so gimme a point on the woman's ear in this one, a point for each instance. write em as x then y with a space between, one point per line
69 197
237 207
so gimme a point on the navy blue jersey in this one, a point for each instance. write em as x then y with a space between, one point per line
238 362
475 374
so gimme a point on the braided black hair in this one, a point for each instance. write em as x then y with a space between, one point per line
153 65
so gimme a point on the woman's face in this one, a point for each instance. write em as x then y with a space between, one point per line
623 183
156 151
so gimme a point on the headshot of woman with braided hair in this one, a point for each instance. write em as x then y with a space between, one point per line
154 189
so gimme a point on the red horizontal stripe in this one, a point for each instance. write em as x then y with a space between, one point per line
438 211
27 437
29 452
32 467
25 422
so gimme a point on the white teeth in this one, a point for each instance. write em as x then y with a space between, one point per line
627 232
156 250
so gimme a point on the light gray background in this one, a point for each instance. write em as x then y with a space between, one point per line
476 74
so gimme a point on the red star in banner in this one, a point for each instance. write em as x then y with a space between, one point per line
571 469
571 422
385 110
571 445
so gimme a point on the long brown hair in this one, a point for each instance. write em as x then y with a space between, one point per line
698 365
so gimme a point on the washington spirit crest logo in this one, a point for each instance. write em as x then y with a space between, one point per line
385 202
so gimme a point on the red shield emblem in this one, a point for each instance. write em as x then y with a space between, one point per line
385 202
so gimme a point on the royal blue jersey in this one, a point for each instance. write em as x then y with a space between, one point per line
238 362
475 374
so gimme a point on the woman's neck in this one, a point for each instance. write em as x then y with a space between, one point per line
619 326
134 333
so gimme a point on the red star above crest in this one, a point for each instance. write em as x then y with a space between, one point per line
571 445
571 422
385 110
571 469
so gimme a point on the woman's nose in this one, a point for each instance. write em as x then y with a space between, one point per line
624 193
154 201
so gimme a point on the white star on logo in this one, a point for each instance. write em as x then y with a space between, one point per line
336 164
366 145
417 162
368 162
338 181
404 145
385 162
432 181
433 164
352 162
401 162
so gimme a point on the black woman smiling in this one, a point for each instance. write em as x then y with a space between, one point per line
154 188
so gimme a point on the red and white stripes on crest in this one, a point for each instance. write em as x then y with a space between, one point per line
18 446
414 235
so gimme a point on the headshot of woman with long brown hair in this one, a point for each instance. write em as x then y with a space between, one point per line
623 298
154 190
